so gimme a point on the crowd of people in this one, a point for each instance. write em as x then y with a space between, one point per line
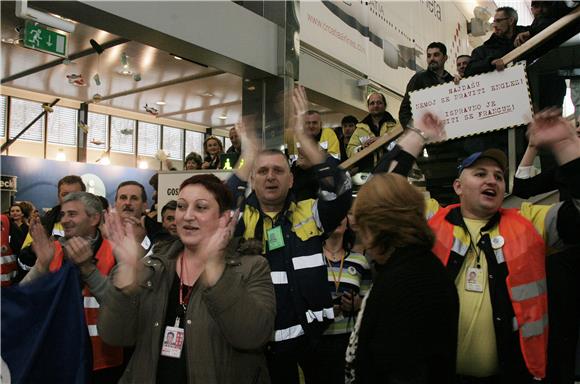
297 280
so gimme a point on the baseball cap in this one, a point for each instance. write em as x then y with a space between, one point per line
495 154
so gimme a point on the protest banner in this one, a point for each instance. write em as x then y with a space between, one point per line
481 103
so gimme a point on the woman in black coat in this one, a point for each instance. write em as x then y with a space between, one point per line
406 331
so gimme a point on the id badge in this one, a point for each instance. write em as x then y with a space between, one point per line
173 339
474 280
275 238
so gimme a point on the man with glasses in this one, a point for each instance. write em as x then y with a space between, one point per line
487 57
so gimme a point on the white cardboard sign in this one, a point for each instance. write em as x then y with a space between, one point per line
169 182
478 104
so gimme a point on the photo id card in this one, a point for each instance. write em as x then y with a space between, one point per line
173 339
275 238
474 280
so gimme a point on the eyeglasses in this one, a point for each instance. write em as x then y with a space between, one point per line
495 21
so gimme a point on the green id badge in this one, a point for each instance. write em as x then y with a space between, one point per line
275 238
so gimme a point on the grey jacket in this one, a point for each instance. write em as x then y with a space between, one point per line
227 325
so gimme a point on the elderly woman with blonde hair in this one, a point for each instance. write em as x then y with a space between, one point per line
406 331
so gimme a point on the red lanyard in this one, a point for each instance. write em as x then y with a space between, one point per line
184 300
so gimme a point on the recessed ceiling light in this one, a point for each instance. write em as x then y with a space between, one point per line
207 94
222 117
177 57
160 102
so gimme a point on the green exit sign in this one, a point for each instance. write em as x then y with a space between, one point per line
39 37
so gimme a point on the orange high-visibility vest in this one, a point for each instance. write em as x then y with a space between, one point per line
524 254
8 263
104 356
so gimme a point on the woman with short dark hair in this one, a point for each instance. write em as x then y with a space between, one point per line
201 307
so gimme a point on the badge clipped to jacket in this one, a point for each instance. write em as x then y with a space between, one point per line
275 238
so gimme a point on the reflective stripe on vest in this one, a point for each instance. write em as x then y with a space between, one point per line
104 356
288 333
524 253
319 315
8 269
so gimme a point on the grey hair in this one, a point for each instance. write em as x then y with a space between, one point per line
91 202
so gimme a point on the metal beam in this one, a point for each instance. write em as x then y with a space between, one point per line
197 109
54 63
162 84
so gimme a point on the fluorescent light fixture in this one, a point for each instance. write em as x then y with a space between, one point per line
160 102
207 94
177 57
222 117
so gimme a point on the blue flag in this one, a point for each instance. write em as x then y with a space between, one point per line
44 333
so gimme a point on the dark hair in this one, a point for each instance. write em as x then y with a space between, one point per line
154 181
510 12
212 138
440 46
171 205
349 120
25 210
104 202
312 112
132 182
215 186
376 93
349 237
195 157
393 212
72 179
460 56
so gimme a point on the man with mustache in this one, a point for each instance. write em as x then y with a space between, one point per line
131 203
435 74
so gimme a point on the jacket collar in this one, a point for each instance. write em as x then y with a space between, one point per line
455 217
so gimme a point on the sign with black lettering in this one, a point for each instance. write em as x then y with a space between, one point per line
478 104
169 182
8 183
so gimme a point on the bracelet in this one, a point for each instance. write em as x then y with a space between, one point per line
419 132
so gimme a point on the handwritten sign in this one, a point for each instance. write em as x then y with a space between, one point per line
478 104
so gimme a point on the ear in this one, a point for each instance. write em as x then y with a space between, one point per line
225 218
291 179
95 219
457 187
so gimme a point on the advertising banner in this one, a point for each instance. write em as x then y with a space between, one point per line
386 41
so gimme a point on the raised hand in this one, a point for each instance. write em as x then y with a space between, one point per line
214 248
551 131
42 246
432 126
309 148
126 249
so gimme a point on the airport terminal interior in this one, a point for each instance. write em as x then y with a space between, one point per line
156 92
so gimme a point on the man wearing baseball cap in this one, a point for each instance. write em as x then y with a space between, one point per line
496 256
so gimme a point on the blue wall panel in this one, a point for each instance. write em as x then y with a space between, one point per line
38 178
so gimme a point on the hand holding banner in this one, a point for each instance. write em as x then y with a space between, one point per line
478 104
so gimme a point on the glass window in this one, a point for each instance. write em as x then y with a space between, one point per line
3 116
122 135
148 140
22 112
62 126
98 128
173 142
193 142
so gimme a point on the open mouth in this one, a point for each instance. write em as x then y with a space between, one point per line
489 192
190 228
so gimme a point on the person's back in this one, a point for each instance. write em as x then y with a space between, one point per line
413 304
